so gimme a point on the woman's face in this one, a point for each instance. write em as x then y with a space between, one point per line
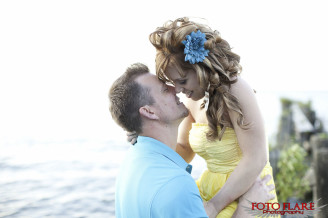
188 85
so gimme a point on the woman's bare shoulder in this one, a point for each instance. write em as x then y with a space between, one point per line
241 84
242 89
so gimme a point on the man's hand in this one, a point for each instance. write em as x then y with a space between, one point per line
132 137
210 209
259 192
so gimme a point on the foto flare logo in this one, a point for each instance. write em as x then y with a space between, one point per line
289 209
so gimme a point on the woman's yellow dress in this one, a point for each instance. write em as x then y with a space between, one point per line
221 158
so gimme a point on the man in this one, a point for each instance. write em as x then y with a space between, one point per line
154 180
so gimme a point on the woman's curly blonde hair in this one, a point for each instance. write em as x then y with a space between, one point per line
215 74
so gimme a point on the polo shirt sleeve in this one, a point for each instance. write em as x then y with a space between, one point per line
178 198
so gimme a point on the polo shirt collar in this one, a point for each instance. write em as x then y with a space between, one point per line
151 144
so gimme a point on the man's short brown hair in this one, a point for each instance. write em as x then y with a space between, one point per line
126 96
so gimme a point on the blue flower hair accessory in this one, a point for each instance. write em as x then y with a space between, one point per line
194 47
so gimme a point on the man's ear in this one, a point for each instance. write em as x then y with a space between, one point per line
147 112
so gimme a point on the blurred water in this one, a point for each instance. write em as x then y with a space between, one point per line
62 179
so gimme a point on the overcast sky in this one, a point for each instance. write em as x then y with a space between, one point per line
59 58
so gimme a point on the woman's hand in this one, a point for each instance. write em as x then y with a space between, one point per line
132 137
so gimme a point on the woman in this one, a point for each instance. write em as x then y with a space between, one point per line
225 125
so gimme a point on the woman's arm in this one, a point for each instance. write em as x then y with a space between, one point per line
252 142
183 146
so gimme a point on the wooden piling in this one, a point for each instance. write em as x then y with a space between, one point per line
320 161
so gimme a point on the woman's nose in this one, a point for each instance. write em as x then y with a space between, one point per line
172 89
178 89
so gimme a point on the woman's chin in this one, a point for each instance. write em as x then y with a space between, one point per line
195 98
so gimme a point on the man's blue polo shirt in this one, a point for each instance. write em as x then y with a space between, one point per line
154 182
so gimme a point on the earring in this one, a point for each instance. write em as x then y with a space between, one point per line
207 97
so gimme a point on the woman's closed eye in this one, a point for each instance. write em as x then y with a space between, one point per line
182 82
